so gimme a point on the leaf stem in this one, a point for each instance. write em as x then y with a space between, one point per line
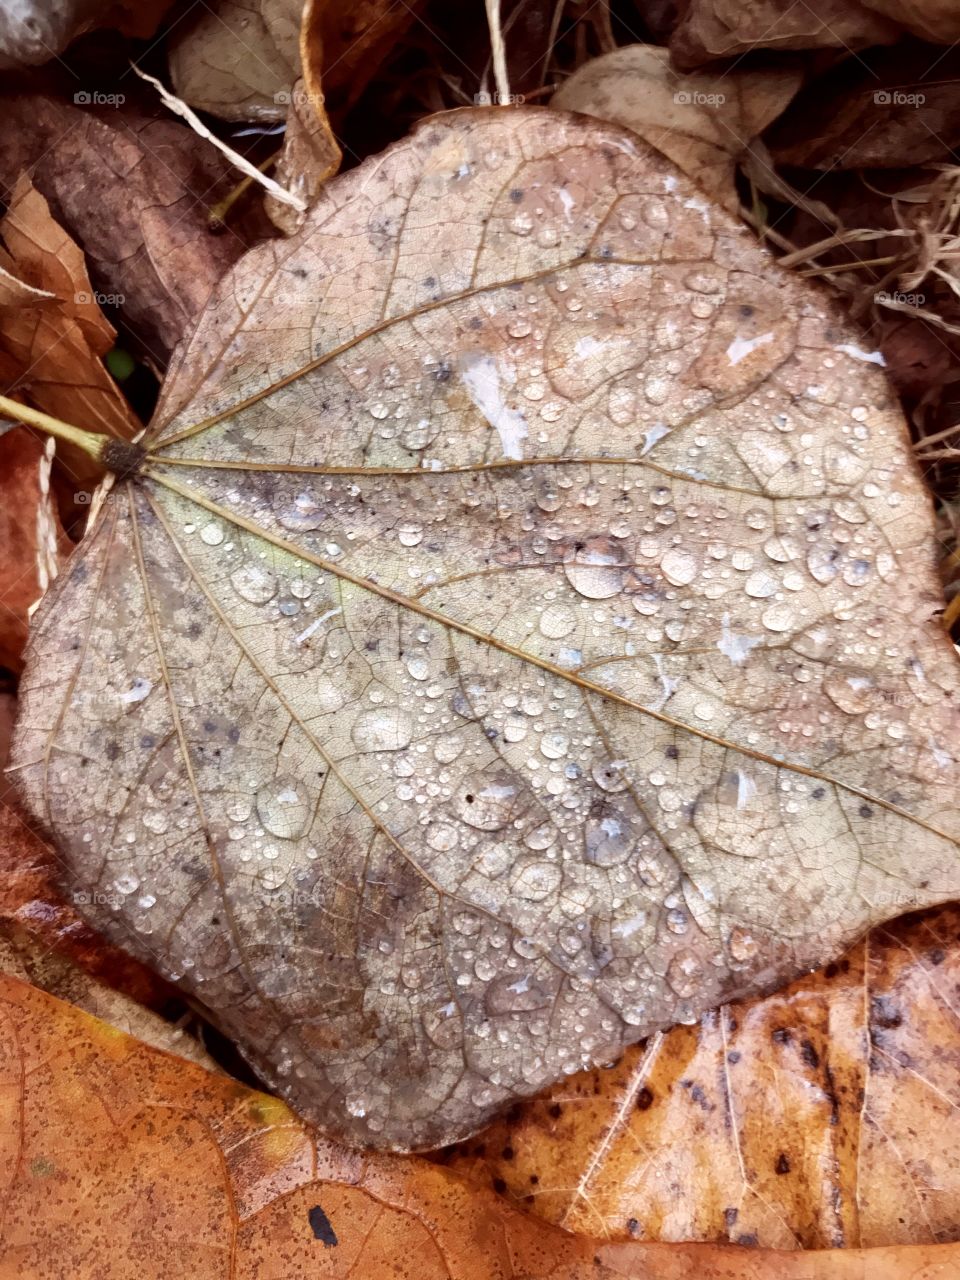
88 441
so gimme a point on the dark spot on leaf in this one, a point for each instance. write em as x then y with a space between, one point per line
936 956
112 751
672 753
780 1035
633 1226
555 1110
818 793
884 1012
809 1054
321 1227
783 1164
749 1240
730 1216
499 1186
516 195
733 1056
644 1099
866 811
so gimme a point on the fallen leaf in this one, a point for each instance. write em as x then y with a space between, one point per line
23 956
521 635
237 59
888 109
711 29
136 193
33 31
194 1171
701 121
310 156
52 340
32 540
39 904
826 1115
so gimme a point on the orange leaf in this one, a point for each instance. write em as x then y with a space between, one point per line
32 541
122 1161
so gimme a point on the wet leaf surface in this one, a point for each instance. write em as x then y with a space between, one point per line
521 636
823 1116
121 1160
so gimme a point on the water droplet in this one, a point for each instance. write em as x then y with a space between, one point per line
684 973
410 533
283 808
212 533
535 881
608 836
254 583
382 729
594 568
486 801
679 567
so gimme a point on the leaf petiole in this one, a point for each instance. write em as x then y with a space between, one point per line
88 441
123 457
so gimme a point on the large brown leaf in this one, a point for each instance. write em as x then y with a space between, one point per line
520 636
826 1115
120 1161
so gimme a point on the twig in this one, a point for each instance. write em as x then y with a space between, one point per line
180 108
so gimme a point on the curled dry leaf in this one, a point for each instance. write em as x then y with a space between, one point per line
146 235
52 331
198 1174
32 541
701 121
711 29
826 1115
520 635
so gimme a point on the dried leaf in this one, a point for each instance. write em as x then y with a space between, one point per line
889 108
32 541
521 636
193 1171
237 58
309 157
710 29
38 905
51 341
136 193
33 31
826 1115
702 122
